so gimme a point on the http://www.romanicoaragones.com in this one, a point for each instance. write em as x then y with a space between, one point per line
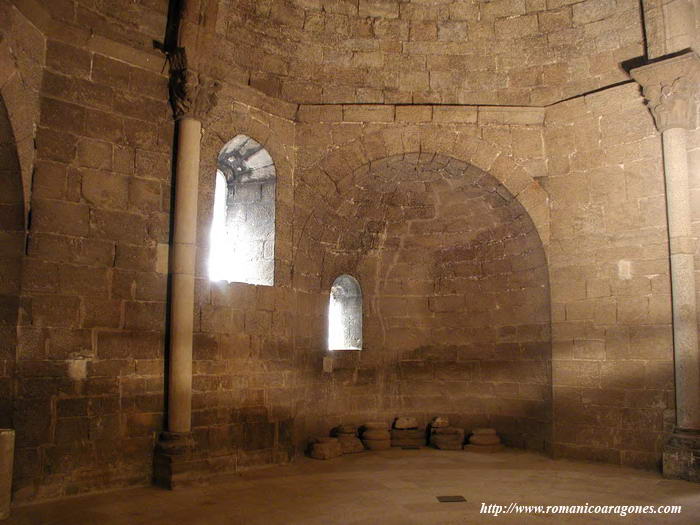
618 510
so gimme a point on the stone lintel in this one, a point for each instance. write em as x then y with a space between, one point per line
672 88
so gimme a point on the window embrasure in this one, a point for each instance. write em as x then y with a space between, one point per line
243 223
345 314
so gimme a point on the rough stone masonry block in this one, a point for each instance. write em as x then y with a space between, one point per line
110 72
49 180
379 8
83 280
452 31
104 126
135 257
511 115
144 315
62 116
414 113
576 373
592 10
415 80
131 344
60 217
555 20
517 27
146 195
67 59
105 190
55 310
527 142
459 114
365 113
423 30
313 113
71 250
119 226
94 154
100 313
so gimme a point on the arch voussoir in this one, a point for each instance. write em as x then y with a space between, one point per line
391 142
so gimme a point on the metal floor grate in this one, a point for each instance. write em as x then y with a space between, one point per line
451 499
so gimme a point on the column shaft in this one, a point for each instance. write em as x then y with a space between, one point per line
682 243
182 275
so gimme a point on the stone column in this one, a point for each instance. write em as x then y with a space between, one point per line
182 262
672 88
192 96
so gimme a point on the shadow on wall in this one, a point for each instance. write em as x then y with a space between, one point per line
12 236
456 301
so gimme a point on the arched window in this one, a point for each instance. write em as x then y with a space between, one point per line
243 225
345 315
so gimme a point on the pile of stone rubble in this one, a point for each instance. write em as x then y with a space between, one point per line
405 432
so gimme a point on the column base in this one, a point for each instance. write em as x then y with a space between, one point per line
177 463
681 456
172 459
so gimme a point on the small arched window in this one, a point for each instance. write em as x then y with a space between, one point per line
345 315
243 225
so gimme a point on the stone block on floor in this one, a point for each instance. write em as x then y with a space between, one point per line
439 421
326 448
405 423
447 438
484 440
350 444
413 437
375 436
377 444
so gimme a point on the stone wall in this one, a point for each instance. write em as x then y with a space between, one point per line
89 378
671 26
609 266
11 251
22 59
244 382
512 52
135 25
481 221
456 301
427 236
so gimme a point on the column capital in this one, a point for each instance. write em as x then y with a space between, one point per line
192 94
672 90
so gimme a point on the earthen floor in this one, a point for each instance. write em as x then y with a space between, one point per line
392 487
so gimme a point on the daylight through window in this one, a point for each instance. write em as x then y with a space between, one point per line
243 222
345 314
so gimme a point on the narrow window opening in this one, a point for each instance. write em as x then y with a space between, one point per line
345 314
243 222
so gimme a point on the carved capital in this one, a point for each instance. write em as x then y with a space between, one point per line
674 105
672 90
191 94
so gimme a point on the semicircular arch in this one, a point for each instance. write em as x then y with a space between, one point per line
339 165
